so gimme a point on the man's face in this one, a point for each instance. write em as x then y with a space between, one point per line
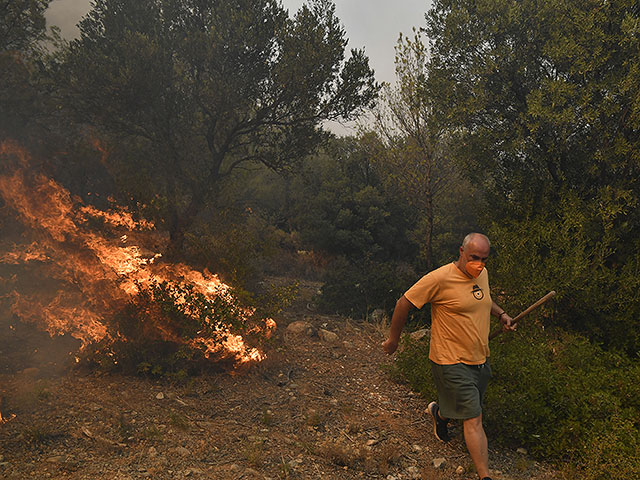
477 250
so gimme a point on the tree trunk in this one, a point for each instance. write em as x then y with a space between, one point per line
428 244
180 224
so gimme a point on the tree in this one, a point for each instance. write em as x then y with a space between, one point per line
546 92
211 86
22 28
340 206
22 23
411 147
341 209
545 95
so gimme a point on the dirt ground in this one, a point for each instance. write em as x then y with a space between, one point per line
315 409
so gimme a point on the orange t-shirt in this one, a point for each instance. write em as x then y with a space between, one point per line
460 313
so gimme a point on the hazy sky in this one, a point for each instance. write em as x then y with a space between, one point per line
372 24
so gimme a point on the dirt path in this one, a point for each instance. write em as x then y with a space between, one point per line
315 409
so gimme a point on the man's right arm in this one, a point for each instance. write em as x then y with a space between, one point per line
399 318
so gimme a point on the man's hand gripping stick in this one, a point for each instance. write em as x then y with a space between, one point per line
531 308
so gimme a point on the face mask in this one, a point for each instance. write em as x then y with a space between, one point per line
474 268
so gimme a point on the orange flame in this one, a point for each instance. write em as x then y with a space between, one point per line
104 272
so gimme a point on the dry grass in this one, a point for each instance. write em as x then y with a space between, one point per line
253 453
178 421
342 455
387 455
428 473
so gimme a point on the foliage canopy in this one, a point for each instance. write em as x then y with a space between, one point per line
22 23
207 87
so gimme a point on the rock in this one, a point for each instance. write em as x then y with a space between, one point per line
56 459
413 473
296 462
152 452
183 452
191 471
161 461
31 372
522 451
416 448
439 462
419 334
460 470
160 396
300 327
328 336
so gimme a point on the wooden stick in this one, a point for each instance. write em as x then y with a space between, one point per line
531 308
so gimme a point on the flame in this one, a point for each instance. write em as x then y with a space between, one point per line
4 420
96 271
30 253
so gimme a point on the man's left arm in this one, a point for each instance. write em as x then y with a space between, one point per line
504 317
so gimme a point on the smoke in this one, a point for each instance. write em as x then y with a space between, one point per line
66 14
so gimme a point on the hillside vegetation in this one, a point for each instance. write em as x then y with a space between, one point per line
519 119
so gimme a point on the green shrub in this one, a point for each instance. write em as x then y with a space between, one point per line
557 395
412 364
612 451
357 289
578 249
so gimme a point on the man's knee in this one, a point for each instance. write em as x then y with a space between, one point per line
474 423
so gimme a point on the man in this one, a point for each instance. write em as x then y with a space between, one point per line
461 307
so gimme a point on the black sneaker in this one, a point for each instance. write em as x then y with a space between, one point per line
439 425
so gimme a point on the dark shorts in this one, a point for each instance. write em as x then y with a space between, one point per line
461 388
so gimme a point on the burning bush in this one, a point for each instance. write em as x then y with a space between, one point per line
169 328
96 275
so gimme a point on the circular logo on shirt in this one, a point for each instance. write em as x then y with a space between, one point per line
477 292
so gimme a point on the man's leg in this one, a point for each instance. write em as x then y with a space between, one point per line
476 441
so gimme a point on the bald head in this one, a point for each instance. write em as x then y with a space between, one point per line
477 239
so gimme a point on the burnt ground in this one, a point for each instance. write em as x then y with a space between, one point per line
313 410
